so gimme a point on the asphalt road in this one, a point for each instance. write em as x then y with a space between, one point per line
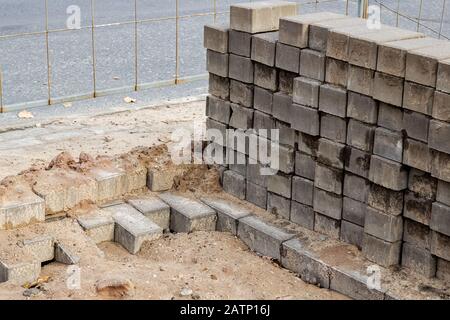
23 60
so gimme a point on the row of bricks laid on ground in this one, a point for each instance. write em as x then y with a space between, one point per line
363 114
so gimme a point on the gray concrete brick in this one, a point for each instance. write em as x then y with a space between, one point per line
387 173
302 190
241 93
264 48
354 211
286 159
329 179
312 64
331 153
362 108
219 86
443 192
237 161
241 68
241 117
210 125
305 166
356 187
21 211
357 162
228 213
333 100
336 72
282 107
440 218
218 109
257 195
416 125
390 117
263 100
240 43
262 120
111 183
288 136
306 92
262 237
254 175
234 184
302 215
440 245
64 255
388 144
384 253
352 233
308 144
280 184
418 98
266 77
443 76
443 270
388 89
154 209
383 226
417 234
438 137
278 205
327 226
41 248
417 155
20 273
419 260
423 184
286 81
441 106
360 135
99 227
259 17
287 58
305 119
334 128
360 80
440 166
328 204
217 63
385 200
215 37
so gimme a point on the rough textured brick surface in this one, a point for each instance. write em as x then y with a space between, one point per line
216 38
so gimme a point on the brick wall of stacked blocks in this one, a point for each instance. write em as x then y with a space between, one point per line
364 119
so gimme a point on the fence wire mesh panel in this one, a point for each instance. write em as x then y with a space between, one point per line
58 51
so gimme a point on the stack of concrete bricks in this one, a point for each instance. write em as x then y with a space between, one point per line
364 119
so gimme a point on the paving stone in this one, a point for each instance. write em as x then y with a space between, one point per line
362 108
154 209
237 162
418 260
264 48
188 215
328 226
312 64
423 184
216 37
388 89
422 64
218 109
305 166
440 166
441 106
440 218
158 180
388 144
357 162
98 226
111 183
234 184
331 153
241 69
254 175
416 125
384 253
240 43
288 136
418 98
443 76
383 226
228 213
302 215
219 86
333 100
360 135
278 205
308 144
262 237
333 128
263 100
213 127
440 245
280 184
352 233
20 273
356 187
443 270
241 117
360 80
302 190
241 93
262 120
27 209
305 119
443 192
259 17
354 211
286 159
266 77
328 204
387 173
417 155
287 58
329 179
306 92
282 106
390 117
438 138
286 81
217 63
385 200
256 195
64 255
336 72
417 234
41 248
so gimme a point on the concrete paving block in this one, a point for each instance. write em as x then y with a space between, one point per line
111 183
357 162
218 109
354 211
333 128
264 48
20 273
443 192
384 253
327 226
388 144
263 100
440 245
388 89
331 153
217 63
443 76
287 58
443 270
215 37
98 226
441 106
360 80
263 120
240 43
360 135
336 72
438 137
287 135
305 166
64 255
308 144
356 187
423 184
41 248
306 92
352 233
418 98
302 215
440 166
416 125
262 237
154 209
305 119
312 64
328 204
228 213
417 208
189 215
278 205
241 69
254 175
302 190
422 64
257 195
241 117
417 234
28 209
387 173
419 260
266 77
299 260
234 184
417 155
280 184
333 100
329 179
241 93
282 107
440 218
286 159
362 108
286 81
263 16
383 226
237 162
158 180
390 117
385 200
212 126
